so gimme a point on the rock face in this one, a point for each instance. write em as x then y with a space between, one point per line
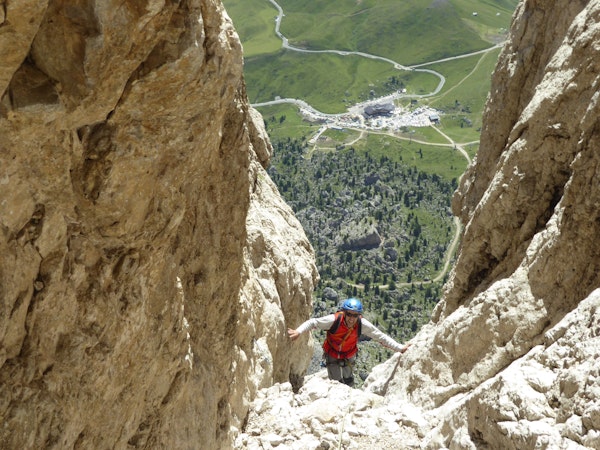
359 236
511 357
511 354
324 414
148 265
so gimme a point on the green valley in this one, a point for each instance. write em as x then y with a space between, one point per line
373 189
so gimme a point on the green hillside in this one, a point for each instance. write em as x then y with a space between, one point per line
409 31
328 82
344 181
403 31
255 23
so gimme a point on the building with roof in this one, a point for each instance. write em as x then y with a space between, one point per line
383 109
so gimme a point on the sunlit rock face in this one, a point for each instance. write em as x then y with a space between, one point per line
510 359
147 263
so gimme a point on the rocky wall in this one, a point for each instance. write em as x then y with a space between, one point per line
131 173
529 252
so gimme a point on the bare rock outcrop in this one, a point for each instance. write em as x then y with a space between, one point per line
361 236
529 257
549 398
148 265
325 414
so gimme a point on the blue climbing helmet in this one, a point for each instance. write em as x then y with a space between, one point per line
352 304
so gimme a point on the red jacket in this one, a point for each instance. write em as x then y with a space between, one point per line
342 343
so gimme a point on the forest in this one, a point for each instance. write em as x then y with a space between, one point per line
380 229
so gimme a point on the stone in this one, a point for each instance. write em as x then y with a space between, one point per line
148 262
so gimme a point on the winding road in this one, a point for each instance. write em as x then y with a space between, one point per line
389 98
397 65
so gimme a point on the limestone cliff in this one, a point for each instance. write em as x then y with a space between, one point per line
148 265
512 349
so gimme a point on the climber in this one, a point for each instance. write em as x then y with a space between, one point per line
343 330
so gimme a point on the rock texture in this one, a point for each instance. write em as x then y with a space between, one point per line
510 358
324 414
529 256
359 236
148 265
549 398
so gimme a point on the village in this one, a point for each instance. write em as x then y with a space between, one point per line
373 116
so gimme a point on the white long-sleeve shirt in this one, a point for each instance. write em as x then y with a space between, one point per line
367 328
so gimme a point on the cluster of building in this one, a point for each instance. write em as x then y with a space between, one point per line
376 116
378 110
387 115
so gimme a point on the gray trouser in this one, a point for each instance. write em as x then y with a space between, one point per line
340 369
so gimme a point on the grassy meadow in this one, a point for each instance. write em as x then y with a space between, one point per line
410 31
328 82
432 159
464 94
255 23
284 122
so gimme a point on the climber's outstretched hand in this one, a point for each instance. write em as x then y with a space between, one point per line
293 334
405 347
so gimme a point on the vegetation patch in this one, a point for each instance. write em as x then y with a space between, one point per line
410 32
284 121
328 82
257 29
